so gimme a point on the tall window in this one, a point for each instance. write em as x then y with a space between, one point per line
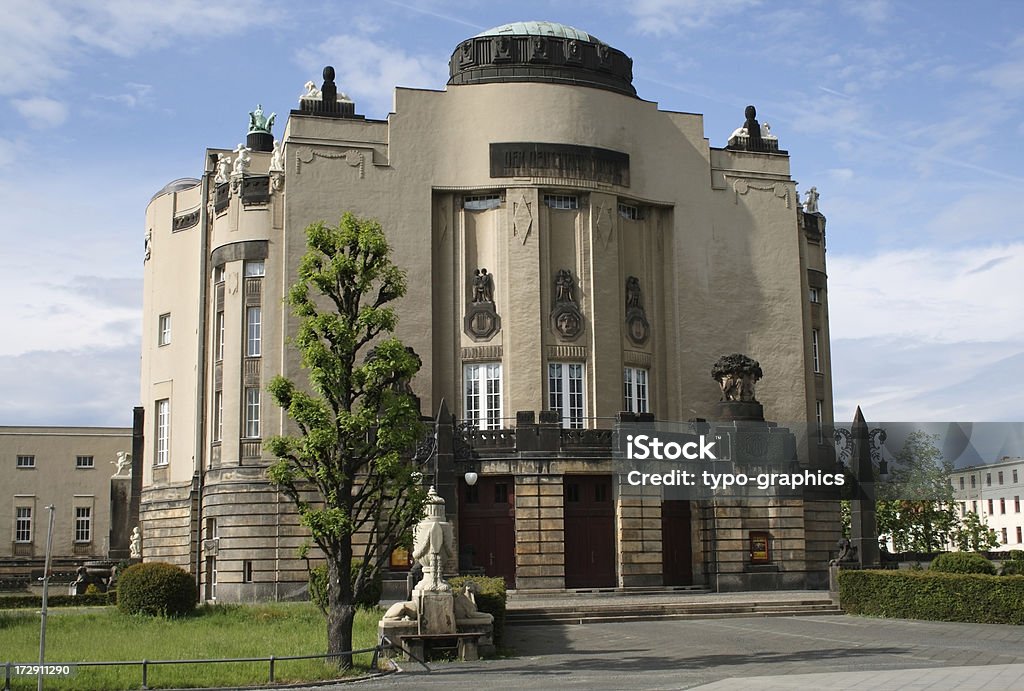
83 524
218 415
23 524
164 332
252 412
163 431
1003 532
819 417
25 461
85 462
1019 536
991 511
254 267
565 392
999 477
961 482
1016 504
974 482
254 332
1002 506
482 385
988 479
634 389
1015 476
815 295
220 335
814 350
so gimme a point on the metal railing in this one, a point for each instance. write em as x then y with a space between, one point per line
385 644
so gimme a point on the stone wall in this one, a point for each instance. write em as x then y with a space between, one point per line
540 533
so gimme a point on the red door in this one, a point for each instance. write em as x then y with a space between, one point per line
487 526
589 515
676 555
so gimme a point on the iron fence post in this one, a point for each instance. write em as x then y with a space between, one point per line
271 669
145 677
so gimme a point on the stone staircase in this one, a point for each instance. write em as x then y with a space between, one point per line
570 607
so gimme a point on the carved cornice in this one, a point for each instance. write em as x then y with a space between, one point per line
635 357
567 352
186 221
481 353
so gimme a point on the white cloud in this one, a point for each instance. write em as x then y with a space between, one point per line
41 112
872 12
41 40
928 295
662 17
135 95
368 70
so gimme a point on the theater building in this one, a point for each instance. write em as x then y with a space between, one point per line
572 252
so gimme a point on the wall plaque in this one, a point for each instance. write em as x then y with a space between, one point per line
760 548
537 159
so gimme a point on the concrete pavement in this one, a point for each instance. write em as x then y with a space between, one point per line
824 652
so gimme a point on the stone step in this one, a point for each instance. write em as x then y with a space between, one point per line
539 616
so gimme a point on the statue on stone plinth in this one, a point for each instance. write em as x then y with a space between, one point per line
123 463
737 374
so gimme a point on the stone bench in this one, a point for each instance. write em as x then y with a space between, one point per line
419 645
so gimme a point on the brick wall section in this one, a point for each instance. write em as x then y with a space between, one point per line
540 532
638 520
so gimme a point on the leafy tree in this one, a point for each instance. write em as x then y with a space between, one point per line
358 421
915 506
973 534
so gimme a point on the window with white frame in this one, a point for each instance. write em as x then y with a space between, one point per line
819 416
480 202
163 431
23 524
630 212
815 357
254 268
218 415
482 386
562 201
252 412
85 462
634 389
83 524
218 274
163 336
254 331
220 335
25 461
815 295
565 392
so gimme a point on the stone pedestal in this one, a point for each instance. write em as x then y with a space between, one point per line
120 517
436 612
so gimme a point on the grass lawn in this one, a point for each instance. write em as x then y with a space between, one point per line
218 631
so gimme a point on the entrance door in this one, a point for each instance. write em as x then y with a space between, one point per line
589 531
676 555
487 527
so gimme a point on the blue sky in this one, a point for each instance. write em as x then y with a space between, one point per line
905 116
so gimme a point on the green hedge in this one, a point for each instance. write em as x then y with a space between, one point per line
156 588
933 595
491 598
36 601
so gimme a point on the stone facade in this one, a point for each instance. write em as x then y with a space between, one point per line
677 251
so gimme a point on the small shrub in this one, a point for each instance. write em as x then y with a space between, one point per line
318 586
36 601
155 588
1016 554
491 598
1014 567
963 562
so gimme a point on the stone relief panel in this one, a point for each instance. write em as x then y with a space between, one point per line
566 317
637 327
481 321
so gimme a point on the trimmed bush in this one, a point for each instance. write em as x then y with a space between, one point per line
157 589
491 598
962 562
932 595
36 601
1014 567
318 587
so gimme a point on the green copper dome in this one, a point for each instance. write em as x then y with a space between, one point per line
539 29
541 52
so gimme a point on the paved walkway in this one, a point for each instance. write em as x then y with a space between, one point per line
816 652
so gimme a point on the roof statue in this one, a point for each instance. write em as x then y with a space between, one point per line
258 122
811 205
